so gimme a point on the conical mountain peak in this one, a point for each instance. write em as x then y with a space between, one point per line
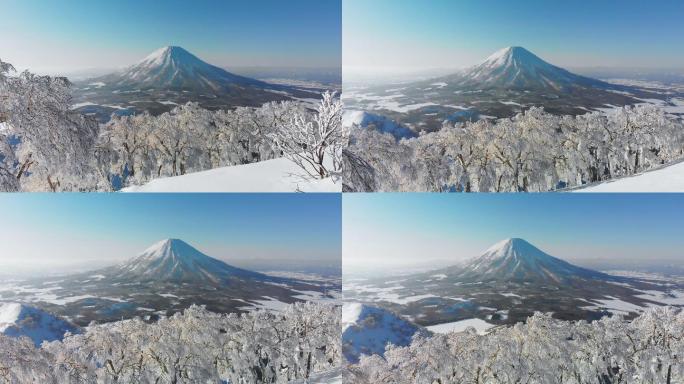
517 259
514 245
175 68
517 68
175 260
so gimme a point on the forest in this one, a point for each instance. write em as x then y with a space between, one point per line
46 146
648 349
195 346
534 151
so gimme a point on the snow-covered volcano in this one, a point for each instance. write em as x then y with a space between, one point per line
517 260
177 261
172 76
518 68
21 320
177 69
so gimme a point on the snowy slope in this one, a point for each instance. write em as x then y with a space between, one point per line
381 123
276 175
669 178
516 67
480 326
21 320
367 330
175 68
517 260
176 260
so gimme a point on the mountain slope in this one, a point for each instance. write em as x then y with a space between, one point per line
176 261
517 260
665 178
171 76
367 330
175 68
506 83
275 175
18 320
518 68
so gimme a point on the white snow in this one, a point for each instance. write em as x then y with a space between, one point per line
18 320
351 118
402 108
9 313
367 330
669 178
394 298
83 104
269 303
615 305
277 175
480 326
672 298
333 376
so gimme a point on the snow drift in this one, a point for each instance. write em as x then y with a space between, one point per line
276 175
18 320
367 330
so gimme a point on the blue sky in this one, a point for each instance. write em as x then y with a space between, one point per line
446 33
62 230
80 34
383 230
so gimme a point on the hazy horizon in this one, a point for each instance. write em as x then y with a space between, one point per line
408 34
425 231
47 37
53 233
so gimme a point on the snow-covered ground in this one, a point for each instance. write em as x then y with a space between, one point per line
669 178
277 175
21 320
480 326
367 330
333 376
382 123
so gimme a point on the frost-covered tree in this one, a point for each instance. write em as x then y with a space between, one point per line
196 346
646 350
45 145
307 140
532 152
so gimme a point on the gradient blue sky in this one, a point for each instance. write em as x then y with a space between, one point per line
381 231
78 34
454 34
53 231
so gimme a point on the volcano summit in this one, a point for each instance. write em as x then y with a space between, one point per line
171 76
